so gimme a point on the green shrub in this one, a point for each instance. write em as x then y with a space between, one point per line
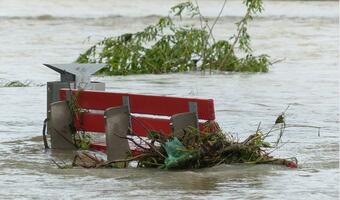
166 47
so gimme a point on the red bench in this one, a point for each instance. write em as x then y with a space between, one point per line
148 112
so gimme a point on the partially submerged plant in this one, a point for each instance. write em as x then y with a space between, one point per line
17 84
80 139
168 47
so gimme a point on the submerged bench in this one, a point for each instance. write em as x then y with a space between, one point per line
135 114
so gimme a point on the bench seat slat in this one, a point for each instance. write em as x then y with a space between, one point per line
90 122
93 122
142 125
143 104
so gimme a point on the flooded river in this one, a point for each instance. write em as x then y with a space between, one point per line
303 33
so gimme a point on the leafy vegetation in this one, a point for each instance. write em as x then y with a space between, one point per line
16 84
170 46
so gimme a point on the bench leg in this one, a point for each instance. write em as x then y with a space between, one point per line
53 96
60 130
182 121
117 123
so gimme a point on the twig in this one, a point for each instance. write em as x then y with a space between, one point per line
284 112
297 126
44 134
271 129
283 126
200 15
218 17
151 146
59 166
243 24
67 140
302 126
140 123
277 61
277 147
258 127
92 157
130 139
202 18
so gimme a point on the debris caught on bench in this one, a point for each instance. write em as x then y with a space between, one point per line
195 149
192 146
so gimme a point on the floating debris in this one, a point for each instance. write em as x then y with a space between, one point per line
17 84
195 149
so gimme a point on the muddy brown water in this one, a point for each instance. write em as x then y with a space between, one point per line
304 33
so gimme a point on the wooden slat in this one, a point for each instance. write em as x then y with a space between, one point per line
143 104
90 122
141 126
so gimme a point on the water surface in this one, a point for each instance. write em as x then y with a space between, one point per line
303 33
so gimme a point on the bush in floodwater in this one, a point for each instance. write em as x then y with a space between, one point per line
166 47
17 84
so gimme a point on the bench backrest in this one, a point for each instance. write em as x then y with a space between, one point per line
145 109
